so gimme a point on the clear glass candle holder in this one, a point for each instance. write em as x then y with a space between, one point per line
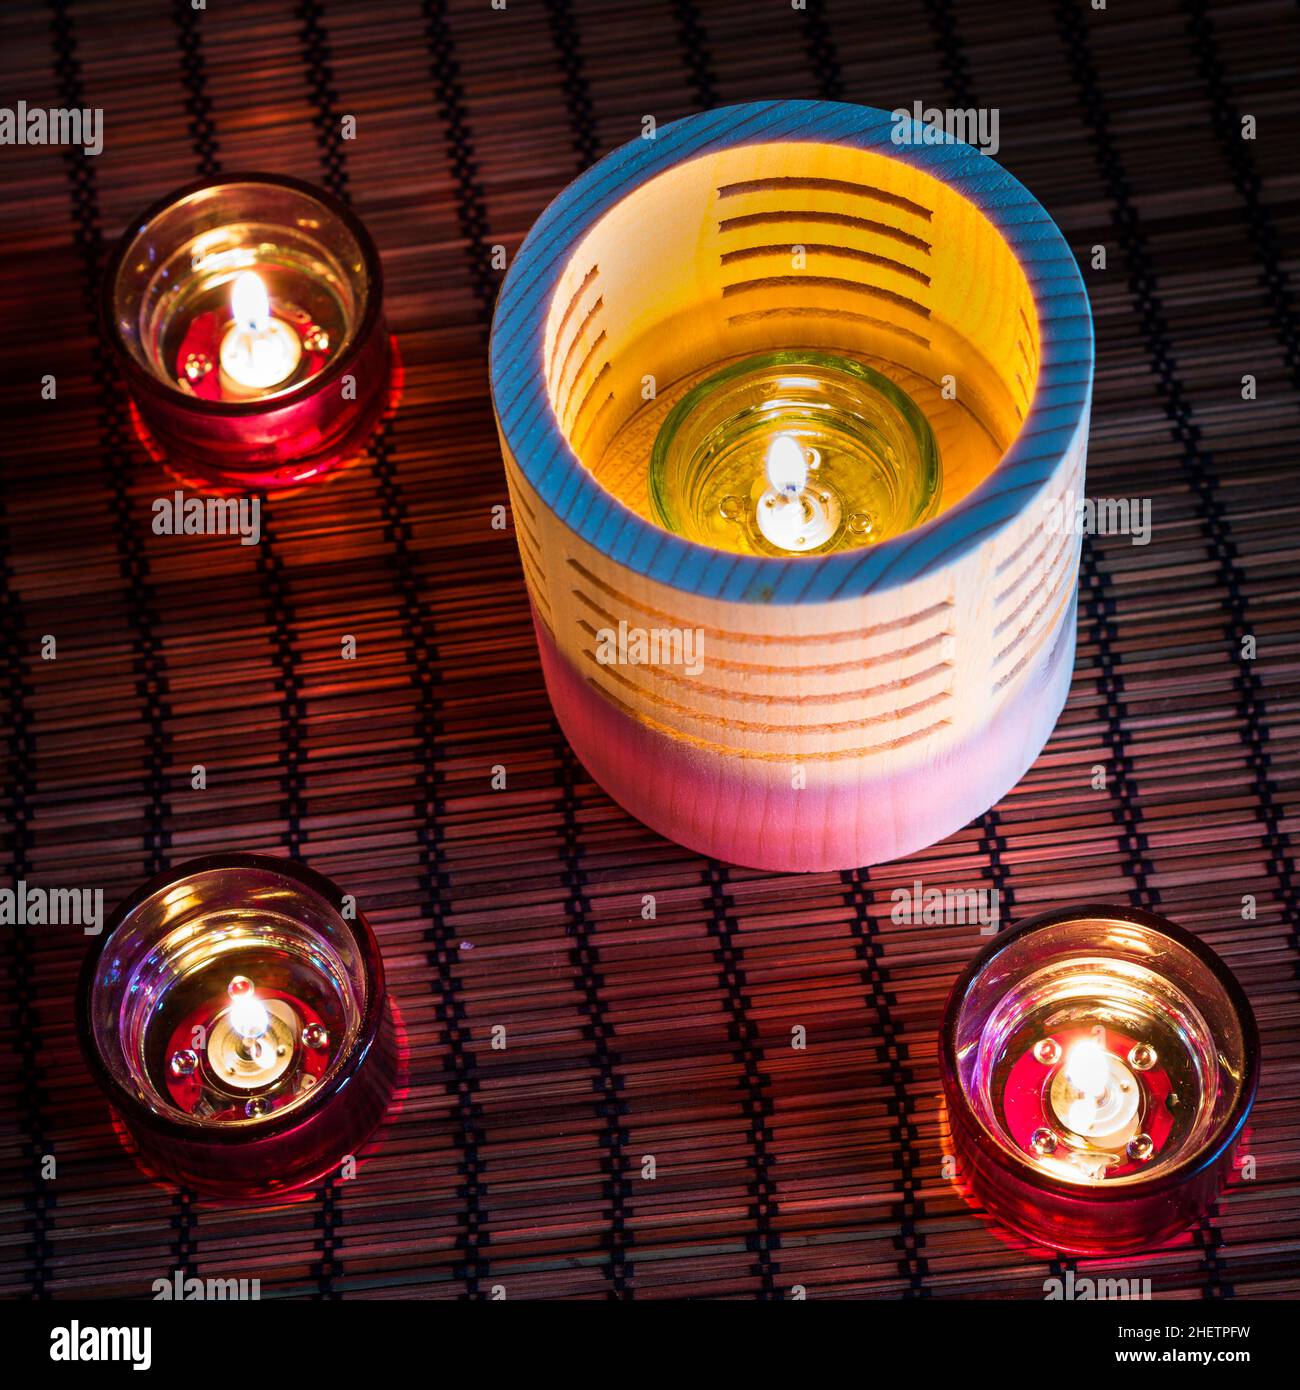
1098 1067
237 1022
794 453
246 317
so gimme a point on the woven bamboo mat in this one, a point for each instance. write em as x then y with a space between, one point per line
523 1168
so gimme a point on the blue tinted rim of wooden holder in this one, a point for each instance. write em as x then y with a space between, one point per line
1057 411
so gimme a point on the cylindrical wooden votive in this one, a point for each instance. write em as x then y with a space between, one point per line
846 707
236 1019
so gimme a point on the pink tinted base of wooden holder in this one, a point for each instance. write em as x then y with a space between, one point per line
748 813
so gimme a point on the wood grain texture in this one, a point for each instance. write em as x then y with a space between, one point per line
852 707
535 439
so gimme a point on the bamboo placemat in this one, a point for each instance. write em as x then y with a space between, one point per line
524 1169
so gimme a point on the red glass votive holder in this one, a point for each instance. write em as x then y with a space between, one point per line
1098 1067
246 316
237 1021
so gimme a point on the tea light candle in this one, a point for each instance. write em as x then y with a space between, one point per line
246 316
1098 1068
268 1049
795 453
259 352
238 1025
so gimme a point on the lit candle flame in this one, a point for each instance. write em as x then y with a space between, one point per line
248 1015
1087 1068
249 302
259 351
787 468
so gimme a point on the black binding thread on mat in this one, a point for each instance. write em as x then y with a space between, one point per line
992 844
471 201
203 138
956 69
19 788
133 561
1227 126
207 151
315 52
423 661
328 1221
1125 810
1226 120
292 708
577 91
426 675
695 45
585 955
747 1049
889 1051
464 1085
957 78
320 77
824 59
194 72
822 53
1178 410
608 1083
270 568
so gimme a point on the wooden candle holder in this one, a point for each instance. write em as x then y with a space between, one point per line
854 706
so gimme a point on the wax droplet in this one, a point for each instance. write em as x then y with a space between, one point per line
733 507
255 1107
1142 1056
1140 1148
184 1063
197 365
1043 1141
1047 1051
316 339
861 523
315 1037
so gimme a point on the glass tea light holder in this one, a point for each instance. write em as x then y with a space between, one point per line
1098 1066
237 1022
808 393
246 316
794 453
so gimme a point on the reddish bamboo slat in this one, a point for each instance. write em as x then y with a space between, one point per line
521 907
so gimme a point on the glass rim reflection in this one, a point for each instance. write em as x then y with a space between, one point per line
145 380
814 372
163 889
1130 928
